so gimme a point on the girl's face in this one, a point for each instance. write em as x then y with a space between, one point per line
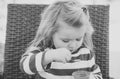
68 37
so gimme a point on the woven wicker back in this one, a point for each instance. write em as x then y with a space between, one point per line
22 23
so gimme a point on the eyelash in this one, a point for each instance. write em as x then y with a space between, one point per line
78 39
66 41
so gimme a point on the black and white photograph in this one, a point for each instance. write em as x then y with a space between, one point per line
59 39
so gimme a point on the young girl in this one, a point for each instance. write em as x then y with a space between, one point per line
62 47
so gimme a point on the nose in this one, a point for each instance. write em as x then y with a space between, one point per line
72 46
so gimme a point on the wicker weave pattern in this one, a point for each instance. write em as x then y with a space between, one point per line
100 19
22 24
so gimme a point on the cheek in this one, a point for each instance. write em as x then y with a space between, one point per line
80 43
59 44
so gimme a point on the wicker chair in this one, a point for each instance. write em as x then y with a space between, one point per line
23 21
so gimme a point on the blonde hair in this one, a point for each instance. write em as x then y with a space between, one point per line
71 12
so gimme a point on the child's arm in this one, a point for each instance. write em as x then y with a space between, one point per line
96 74
35 60
90 58
30 62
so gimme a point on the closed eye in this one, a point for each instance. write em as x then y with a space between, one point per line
78 39
66 41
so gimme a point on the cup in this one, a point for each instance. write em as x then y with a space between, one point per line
80 74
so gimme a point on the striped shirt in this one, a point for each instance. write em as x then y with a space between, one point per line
84 60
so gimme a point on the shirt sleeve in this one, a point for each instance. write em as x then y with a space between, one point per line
31 62
96 72
89 56
95 69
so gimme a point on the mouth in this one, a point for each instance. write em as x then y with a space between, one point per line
75 51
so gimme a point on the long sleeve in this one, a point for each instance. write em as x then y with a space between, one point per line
83 60
96 74
31 62
90 58
95 69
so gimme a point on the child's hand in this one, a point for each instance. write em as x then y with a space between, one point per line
60 55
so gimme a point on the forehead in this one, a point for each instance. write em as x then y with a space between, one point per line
71 32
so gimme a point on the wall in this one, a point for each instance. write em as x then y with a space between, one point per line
114 39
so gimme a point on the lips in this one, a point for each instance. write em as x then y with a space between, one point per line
73 51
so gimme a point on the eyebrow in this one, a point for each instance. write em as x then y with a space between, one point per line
80 37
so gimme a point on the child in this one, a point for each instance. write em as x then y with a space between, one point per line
62 47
